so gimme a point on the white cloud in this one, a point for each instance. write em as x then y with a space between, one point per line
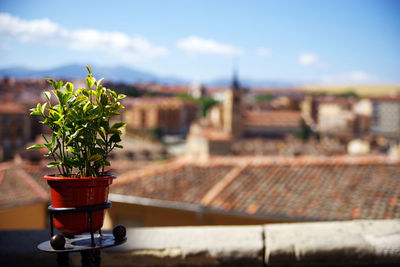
44 31
352 77
197 45
307 59
263 52
359 76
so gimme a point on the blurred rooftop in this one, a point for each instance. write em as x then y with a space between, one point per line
284 188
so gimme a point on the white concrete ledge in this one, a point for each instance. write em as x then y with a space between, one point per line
353 243
333 243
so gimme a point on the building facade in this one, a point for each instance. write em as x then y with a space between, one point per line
386 117
171 115
15 129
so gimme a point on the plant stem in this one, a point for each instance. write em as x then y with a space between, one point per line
52 153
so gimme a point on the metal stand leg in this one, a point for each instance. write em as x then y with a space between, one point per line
51 225
91 258
62 259
91 229
97 258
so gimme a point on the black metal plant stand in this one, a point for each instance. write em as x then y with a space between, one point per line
88 246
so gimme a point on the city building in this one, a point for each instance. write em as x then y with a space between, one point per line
232 120
386 117
15 129
171 115
196 90
271 123
337 116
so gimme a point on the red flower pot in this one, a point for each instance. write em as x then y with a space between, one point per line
71 192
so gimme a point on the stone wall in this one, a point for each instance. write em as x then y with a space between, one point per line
351 243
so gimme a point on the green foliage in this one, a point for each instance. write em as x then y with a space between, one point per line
205 102
305 131
263 98
157 132
82 136
349 94
126 89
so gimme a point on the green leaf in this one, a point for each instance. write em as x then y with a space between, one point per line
89 82
66 97
85 93
114 131
37 146
86 106
59 84
53 163
121 96
76 133
71 99
52 82
95 157
89 69
100 142
72 137
115 138
69 87
118 125
81 98
114 94
99 151
53 139
54 114
35 112
60 97
43 108
78 92
99 81
101 132
70 150
47 95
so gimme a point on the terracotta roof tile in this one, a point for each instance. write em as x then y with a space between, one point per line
273 118
18 188
303 188
188 184
12 108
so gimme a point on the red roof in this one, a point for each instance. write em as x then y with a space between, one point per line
303 188
18 187
12 108
159 101
273 118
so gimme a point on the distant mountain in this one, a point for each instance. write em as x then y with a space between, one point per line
251 83
127 75
116 74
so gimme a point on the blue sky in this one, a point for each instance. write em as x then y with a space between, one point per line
337 41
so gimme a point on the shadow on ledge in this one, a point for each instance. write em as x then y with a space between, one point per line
350 243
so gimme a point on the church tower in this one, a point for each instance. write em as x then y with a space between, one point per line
232 109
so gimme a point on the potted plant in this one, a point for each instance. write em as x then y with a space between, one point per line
82 138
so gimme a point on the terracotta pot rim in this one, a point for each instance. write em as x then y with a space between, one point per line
53 177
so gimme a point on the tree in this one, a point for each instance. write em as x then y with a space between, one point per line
306 131
205 102
263 98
